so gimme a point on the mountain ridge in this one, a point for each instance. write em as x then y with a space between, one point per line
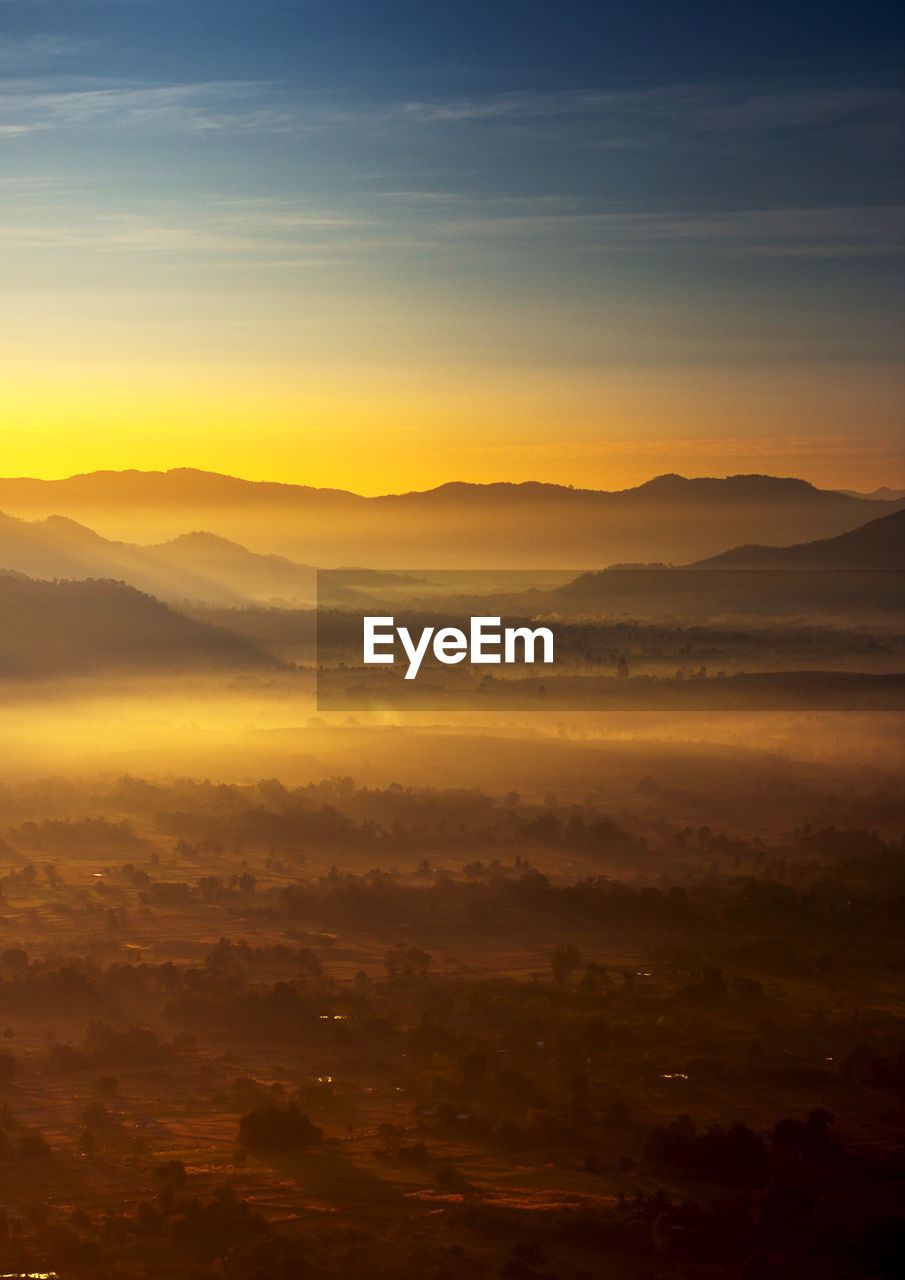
879 544
53 629
459 524
152 482
198 566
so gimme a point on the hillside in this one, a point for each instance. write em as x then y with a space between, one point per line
200 567
835 577
269 579
883 494
879 544
79 628
528 525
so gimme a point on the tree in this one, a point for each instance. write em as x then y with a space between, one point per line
169 1177
407 964
96 1116
596 1036
277 1129
564 961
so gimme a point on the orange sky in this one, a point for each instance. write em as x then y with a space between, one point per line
324 251
379 430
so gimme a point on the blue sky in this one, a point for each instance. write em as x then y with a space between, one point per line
585 228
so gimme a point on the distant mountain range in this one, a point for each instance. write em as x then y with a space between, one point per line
206 569
201 567
847 576
529 525
50 629
65 628
879 544
884 494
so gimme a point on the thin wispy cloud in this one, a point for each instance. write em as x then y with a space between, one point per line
647 117
715 446
175 108
835 232
123 234
638 119
463 213
28 53
45 218
232 227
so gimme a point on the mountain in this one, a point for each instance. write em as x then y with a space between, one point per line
879 544
885 494
80 628
829 578
530 525
200 567
267 579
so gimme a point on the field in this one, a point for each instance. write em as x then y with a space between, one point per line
649 1024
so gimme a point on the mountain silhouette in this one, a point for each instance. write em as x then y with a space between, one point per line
832 577
879 544
264 578
200 567
459 524
883 494
78 628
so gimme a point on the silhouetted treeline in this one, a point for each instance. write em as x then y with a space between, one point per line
68 832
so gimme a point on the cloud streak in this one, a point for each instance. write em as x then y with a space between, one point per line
277 230
236 106
30 52
642 119
782 232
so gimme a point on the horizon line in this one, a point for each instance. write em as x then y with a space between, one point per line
446 484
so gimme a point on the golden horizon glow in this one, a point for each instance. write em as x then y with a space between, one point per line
395 431
330 278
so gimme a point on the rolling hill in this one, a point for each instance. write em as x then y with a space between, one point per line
883 494
530 525
879 544
850 576
50 629
200 567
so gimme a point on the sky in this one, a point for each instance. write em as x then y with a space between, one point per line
381 245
